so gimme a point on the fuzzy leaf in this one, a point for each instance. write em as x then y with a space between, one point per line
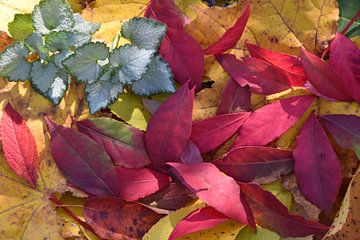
234 98
36 45
158 78
52 15
133 62
84 63
169 128
13 63
269 122
140 182
205 180
246 164
21 27
63 40
317 168
19 145
143 32
210 133
124 143
84 26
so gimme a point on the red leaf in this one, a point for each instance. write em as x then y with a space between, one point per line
317 168
216 189
231 36
112 218
246 164
140 182
191 154
19 145
210 133
234 98
200 219
270 213
151 105
260 76
269 122
82 161
290 65
323 78
345 60
123 143
169 128
185 60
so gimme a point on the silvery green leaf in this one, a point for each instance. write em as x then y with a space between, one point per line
60 56
84 63
52 15
13 63
83 26
36 44
144 32
64 40
101 94
21 27
49 80
157 79
132 61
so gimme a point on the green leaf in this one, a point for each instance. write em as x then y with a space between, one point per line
21 27
83 26
36 45
348 9
102 93
63 40
143 32
13 63
53 15
133 62
49 80
157 79
84 63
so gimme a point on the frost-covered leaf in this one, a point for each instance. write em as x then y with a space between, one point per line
133 61
84 63
63 40
21 27
13 63
144 32
102 93
52 15
157 79
36 44
83 26
49 80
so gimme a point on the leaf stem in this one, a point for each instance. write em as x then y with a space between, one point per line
357 15
73 215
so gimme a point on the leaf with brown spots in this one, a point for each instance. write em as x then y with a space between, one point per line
112 218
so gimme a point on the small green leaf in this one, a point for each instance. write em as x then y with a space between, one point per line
84 63
83 26
348 10
21 27
36 45
143 32
49 80
53 15
157 79
13 63
133 62
101 94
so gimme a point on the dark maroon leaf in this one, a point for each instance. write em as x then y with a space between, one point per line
191 154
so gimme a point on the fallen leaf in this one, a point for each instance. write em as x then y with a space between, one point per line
134 184
210 133
123 143
112 218
169 128
5 40
317 168
248 164
269 122
205 180
151 105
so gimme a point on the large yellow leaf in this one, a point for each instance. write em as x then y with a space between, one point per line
274 24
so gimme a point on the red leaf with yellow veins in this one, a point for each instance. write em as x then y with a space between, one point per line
289 64
271 121
140 182
123 143
169 128
317 168
113 218
215 188
19 145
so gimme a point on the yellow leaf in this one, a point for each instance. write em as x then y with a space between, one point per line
278 25
329 107
187 7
